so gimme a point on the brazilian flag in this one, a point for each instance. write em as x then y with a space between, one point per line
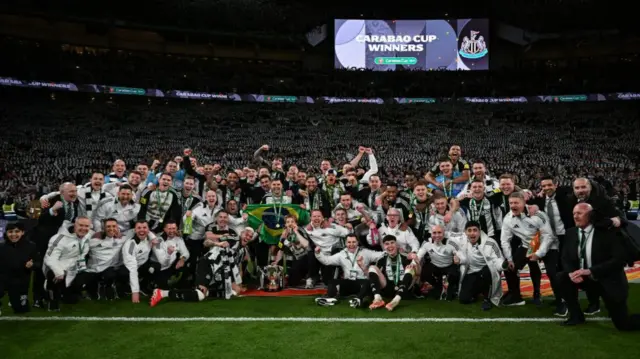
264 219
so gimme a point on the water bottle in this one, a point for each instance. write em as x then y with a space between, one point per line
188 225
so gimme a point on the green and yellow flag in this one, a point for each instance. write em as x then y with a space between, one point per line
264 219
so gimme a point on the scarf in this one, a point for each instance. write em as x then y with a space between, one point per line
333 191
88 200
223 271
422 219
314 204
394 269
477 211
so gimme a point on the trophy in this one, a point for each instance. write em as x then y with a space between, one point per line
272 278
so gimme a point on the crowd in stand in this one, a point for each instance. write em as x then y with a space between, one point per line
51 141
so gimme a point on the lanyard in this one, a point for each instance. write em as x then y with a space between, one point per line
160 206
315 204
444 187
355 258
80 247
476 211
422 216
412 198
186 202
277 209
330 191
396 278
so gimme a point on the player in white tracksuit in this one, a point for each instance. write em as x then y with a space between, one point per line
135 255
105 257
354 262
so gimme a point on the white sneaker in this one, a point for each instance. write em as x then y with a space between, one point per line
326 302
309 284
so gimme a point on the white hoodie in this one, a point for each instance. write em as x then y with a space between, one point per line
135 253
66 254
104 253
487 253
349 261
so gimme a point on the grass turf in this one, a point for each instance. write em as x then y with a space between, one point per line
71 339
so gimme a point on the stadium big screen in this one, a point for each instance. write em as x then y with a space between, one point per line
384 45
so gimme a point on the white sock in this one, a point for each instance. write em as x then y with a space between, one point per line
377 297
397 299
164 293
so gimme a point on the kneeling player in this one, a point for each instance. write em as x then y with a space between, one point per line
480 262
353 261
392 275
218 272
439 252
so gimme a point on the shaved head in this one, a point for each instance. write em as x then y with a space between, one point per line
582 214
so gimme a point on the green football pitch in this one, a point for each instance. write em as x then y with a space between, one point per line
297 328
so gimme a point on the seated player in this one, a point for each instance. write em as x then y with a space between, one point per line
105 256
392 275
65 264
218 273
174 257
135 256
294 242
354 262
481 263
439 252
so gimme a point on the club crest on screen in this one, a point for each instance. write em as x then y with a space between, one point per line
473 48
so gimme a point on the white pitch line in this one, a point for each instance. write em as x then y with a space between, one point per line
286 319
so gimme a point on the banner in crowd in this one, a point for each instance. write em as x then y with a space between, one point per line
269 219
183 94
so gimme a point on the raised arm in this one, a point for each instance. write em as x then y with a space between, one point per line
373 167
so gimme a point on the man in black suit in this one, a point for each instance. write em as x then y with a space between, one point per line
605 214
66 207
555 201
593 259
